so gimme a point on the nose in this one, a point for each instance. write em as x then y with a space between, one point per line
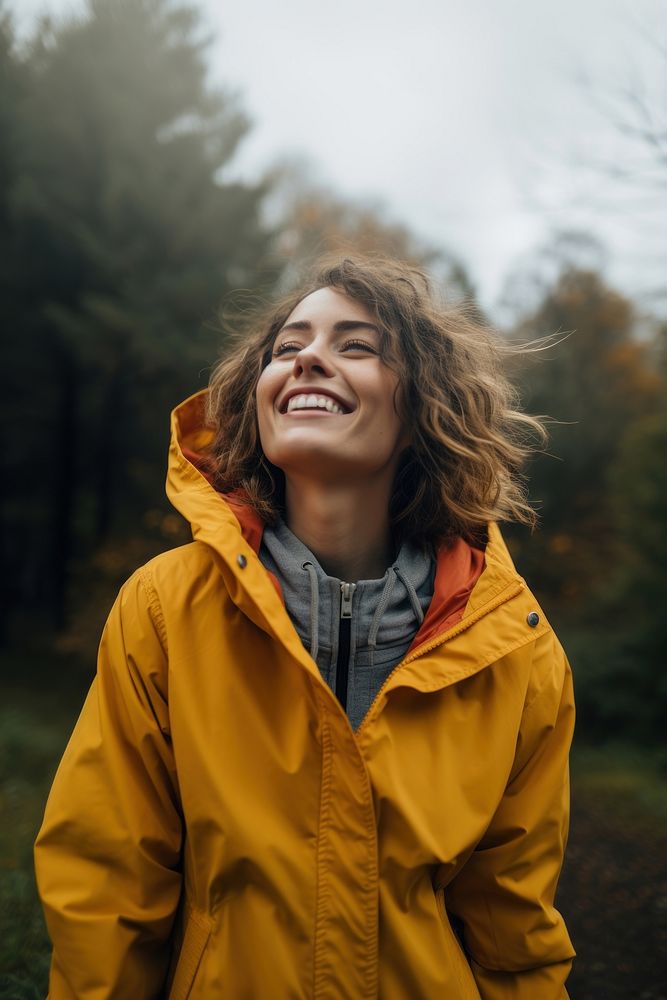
313 359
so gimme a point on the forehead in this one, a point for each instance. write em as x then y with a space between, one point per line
327 306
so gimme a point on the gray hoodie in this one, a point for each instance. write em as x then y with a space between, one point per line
383 615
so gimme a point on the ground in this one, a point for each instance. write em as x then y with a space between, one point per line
613 889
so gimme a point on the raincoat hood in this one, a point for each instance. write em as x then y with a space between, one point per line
213 515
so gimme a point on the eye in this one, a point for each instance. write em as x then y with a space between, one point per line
287 345
358 345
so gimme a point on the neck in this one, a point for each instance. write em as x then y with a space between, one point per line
346 528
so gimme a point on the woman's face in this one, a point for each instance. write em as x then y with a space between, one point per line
325 402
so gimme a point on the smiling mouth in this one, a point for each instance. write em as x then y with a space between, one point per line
310 401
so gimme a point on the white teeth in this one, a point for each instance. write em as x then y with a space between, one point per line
312 402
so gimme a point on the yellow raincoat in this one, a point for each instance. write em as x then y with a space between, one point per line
216 829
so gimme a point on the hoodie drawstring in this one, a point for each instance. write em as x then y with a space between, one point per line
314 609
412 593
379 611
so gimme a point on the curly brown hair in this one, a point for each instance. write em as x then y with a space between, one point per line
469 439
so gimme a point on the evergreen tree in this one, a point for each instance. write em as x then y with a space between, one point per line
126 241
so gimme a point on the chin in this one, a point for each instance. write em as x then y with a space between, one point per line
312 462
328 466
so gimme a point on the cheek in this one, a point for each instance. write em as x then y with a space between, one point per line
392 415
264 396
389 392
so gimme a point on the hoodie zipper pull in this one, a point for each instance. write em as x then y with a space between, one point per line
346 591
344 629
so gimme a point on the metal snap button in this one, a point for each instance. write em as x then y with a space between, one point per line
242 561
533 619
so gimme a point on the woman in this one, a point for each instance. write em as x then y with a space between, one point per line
325 753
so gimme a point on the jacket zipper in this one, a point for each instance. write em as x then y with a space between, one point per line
344 632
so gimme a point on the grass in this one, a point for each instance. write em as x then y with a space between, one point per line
625 771
613 888
34 728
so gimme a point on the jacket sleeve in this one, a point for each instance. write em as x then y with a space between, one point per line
516 941
107 856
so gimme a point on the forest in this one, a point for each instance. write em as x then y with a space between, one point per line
126 256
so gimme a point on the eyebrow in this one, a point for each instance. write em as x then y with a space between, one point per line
342 326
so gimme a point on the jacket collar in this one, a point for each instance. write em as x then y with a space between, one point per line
469 582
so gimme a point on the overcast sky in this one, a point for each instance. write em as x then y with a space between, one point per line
466 119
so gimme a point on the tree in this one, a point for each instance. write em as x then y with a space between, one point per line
636 108
13 81
622 174
623 688
595 382
125 243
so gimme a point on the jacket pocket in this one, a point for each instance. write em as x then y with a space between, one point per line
195 938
